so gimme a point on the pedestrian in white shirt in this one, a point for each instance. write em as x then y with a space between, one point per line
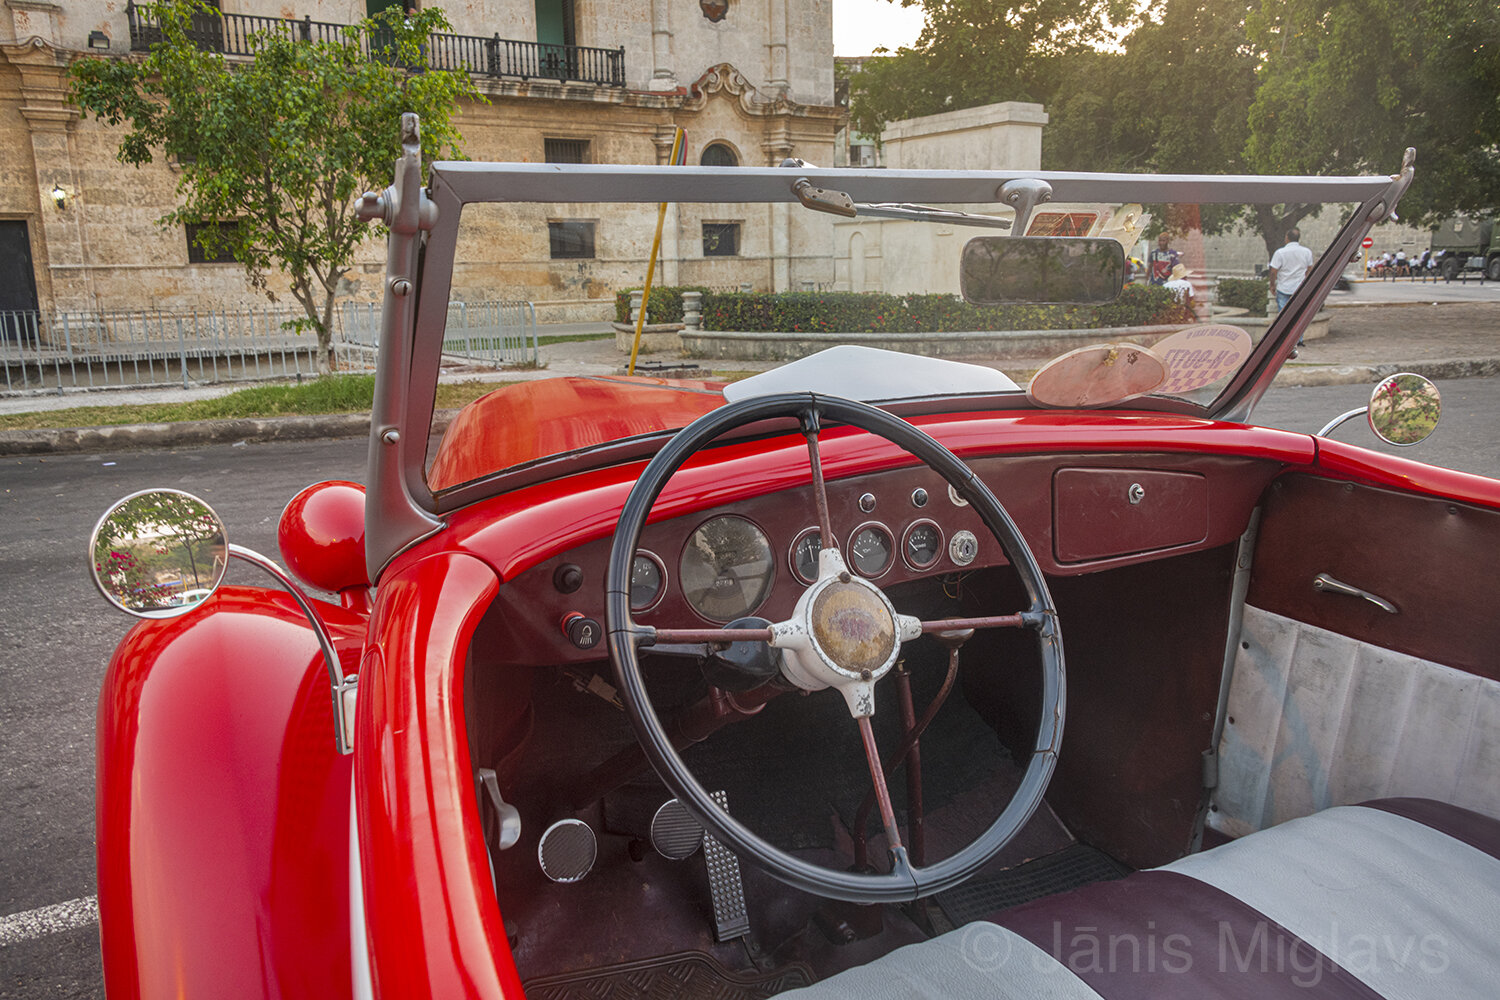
1289 267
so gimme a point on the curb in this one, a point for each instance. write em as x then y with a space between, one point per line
193 433
1292 374
197 433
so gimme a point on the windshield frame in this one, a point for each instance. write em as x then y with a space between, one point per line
425 221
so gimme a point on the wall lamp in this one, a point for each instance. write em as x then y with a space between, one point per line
98 40
59 197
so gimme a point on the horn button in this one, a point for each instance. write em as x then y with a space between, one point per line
844 634
853 627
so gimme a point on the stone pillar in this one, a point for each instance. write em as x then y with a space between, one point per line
635 305
776 78
692 310
58 236
663 76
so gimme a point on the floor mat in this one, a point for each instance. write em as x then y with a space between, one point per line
1073 866
690 974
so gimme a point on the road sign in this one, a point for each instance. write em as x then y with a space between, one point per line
1368 242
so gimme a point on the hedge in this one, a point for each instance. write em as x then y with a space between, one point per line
1244 293
875 312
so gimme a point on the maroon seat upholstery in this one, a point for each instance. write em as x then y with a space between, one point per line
1393 898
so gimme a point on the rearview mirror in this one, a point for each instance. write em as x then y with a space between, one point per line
1007 270
158 554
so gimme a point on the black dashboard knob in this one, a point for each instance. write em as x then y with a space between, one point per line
582 631
567 579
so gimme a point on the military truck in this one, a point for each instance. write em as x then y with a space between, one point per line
1464 243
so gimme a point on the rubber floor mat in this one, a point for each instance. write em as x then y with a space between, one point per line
687 975
1073 866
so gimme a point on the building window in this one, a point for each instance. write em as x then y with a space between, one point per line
721 239
566 150
571 239
197 255
716 154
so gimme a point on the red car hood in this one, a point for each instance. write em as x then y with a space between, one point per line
525 421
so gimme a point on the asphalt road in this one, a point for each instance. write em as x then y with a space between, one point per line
58 634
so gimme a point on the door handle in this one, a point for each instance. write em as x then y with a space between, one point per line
1328 584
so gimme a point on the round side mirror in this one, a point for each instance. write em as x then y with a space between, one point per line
1404 409
158 554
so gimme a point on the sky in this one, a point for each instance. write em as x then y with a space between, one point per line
859 26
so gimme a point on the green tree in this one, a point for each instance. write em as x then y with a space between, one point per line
1172 99
280 144
975 52
1347 85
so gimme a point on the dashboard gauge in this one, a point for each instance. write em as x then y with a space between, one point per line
871 550
726 568
922 544
805 554
647 581
963 547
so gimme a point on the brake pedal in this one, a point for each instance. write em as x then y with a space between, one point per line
726 890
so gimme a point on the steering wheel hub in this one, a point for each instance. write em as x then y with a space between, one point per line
853 628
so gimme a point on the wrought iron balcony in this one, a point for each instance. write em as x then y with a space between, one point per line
236 34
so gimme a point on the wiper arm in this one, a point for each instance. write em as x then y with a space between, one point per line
926 213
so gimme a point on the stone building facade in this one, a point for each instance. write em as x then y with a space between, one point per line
750 81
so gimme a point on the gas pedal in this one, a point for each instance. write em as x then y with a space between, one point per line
731 917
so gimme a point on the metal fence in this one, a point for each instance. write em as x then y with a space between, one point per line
117 348
494 332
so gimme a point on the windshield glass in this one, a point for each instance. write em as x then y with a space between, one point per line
744 288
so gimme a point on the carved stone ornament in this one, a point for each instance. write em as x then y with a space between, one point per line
714 10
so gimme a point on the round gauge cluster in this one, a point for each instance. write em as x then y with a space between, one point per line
805 552
726 568
871 550
648 581
922 544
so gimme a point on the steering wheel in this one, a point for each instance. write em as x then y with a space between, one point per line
844 634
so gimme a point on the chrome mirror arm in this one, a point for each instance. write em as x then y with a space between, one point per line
344 686
1358 411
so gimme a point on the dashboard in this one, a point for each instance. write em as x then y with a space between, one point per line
755 557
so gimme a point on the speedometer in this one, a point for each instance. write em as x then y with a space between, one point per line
726 568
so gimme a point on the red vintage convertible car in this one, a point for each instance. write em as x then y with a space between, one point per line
561 723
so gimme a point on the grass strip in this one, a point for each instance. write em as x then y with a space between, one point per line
333 394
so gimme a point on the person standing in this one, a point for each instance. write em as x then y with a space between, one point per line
1159 262
1289 267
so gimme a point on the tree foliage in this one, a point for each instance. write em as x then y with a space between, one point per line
975 52
1226 86
281 144
1347 85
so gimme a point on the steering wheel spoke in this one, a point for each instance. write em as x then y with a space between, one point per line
877 775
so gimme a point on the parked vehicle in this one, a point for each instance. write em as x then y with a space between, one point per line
1464 243
611 637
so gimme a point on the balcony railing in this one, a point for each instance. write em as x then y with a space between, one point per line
238 34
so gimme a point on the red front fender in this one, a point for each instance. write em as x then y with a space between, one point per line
222 808
434 929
